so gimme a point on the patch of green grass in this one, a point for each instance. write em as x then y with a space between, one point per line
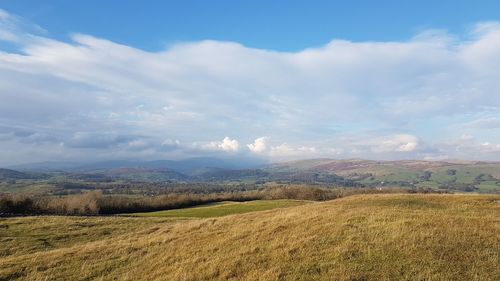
428 184
489 186
224 209
25 186
407 177
463 175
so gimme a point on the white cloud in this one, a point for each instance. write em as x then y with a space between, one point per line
470 147
398 143
259 145
7 27
17 30
490 147
401 143
227 144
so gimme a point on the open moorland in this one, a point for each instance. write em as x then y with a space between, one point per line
361 237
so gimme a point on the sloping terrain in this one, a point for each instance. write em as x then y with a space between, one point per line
468 176
7 174
450 175
368 237
226 208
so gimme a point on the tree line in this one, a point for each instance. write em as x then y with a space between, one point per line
97 203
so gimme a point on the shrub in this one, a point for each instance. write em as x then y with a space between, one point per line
94 202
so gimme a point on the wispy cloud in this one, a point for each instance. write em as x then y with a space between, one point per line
344 99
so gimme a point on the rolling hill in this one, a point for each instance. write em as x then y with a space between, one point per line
447 175
463 176
185 166
368 237
8 174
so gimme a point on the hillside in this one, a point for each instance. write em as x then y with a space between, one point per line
368 237
444 175
8 175
185 166
154 176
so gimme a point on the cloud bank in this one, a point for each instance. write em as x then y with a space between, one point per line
90 98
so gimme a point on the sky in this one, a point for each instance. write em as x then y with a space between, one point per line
272 80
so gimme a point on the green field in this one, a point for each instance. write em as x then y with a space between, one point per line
224 209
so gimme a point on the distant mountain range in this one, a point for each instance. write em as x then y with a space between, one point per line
8 174
186 166
447 175
11 174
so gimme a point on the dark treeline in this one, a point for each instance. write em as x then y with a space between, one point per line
145 188
97 203
125 204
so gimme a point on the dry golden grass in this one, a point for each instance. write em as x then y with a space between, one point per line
367 237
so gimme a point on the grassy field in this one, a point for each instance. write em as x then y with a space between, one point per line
453 175
366 237
224 209
25 186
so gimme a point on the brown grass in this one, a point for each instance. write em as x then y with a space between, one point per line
366 237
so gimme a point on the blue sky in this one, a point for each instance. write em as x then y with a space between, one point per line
284 25
277 80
